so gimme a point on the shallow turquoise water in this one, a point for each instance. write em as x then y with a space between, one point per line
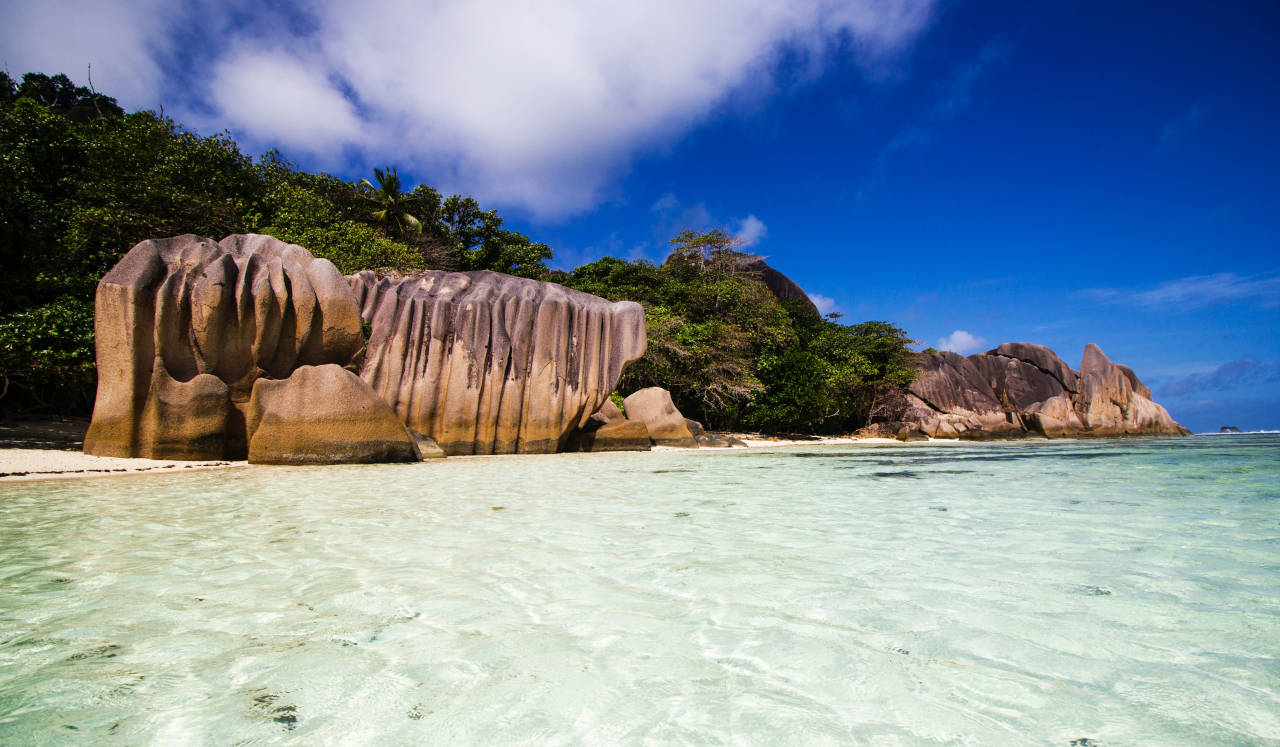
1126 592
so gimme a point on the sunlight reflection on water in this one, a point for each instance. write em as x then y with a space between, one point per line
1120 591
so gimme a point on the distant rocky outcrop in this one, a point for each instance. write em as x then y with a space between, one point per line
1020 389
486 363
782 287
251 347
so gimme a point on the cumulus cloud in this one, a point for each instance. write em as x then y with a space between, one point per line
751 230
961 342
120 40
825 304
1195 292
284 100
1229 376
539 105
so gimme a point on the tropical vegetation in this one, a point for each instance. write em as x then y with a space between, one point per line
82 181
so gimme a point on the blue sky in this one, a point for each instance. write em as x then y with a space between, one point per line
976 172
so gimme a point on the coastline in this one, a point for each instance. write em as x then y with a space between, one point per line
51 451
26 464
39 462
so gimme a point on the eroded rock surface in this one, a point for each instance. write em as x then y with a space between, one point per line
486 363
324 415
1020 388
251 347
184 328
653 407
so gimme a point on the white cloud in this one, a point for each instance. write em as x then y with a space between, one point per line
282 99
750 230
119 40
665 203
961 342
673 216
825 304
540 105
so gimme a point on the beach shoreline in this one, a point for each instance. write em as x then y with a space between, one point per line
51 450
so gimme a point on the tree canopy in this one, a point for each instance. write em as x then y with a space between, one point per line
82 181
734 356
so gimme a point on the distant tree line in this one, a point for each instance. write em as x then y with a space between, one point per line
82 181
734 356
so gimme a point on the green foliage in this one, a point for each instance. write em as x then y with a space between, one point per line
732 355
60 95
319 212
46 353
390 204
474 239
81 183
708 320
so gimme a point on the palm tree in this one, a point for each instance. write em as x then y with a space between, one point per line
392 203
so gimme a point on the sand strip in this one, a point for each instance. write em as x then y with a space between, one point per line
52 464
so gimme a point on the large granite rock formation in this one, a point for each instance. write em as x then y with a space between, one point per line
251 347
185 326
1019 389
493 364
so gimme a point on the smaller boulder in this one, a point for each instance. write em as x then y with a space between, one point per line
427 446
718 440
653 407
184 419
608 413
324 415
623 435
900 430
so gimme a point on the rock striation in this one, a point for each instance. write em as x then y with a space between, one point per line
185 327
486 363
251 347
1020 389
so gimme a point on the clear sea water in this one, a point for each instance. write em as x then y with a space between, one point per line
1115 592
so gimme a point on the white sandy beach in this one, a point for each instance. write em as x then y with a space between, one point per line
18 464
52 464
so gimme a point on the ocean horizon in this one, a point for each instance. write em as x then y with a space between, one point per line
1103 591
